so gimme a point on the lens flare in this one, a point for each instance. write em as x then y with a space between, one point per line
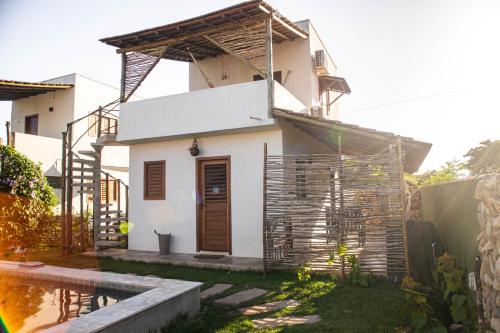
3 326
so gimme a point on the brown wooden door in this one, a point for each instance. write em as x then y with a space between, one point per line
214 204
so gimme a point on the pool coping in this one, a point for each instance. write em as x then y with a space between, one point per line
152 292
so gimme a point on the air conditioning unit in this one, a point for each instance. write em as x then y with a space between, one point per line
317 111
320 63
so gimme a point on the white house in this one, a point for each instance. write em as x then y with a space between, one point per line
256 79
40 113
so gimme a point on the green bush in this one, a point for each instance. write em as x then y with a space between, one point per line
21 176
26 200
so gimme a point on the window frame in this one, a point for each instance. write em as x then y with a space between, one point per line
148 196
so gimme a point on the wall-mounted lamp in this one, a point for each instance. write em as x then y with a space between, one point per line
194 150
51 109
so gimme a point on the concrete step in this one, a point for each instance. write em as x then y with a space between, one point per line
268 307
77 176
88 191
109 227
114 219
83 161
284 321
82 169
214 290
106 205
241 297
89 153
111 234
111 212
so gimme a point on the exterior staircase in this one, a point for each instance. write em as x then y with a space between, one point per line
83 175
86 177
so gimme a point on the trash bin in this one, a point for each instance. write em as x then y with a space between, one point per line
164 241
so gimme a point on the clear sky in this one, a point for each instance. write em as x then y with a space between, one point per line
428 69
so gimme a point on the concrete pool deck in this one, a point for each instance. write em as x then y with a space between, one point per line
158 303
182 259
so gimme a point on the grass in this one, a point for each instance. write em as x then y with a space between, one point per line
342 308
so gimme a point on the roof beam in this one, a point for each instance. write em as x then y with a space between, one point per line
283 23
170 41
236 55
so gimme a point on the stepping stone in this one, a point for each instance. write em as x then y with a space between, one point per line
90 269
284 321
267 307
241 297
214 290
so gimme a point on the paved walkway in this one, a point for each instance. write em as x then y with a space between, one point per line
181 259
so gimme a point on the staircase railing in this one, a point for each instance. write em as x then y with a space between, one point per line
68 156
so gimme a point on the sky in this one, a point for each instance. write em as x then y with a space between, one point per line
426 69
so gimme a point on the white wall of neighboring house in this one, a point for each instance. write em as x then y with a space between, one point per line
177 213
50 124
69 104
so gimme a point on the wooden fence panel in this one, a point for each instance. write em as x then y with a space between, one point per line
316 205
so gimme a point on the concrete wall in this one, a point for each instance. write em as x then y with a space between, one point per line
293 58
177 214
452 209
296 141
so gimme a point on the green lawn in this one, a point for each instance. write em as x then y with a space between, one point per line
342 308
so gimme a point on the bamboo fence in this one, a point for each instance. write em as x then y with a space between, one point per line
316 206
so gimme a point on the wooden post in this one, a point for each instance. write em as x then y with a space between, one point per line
123 78
7 128
264 213
96 202
269 60
99 122
126 201
63 194
341 200
403 203
82 237
69 191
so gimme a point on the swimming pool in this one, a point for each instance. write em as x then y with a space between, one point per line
88 301
29 305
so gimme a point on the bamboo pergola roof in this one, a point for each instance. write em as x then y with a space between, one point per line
12 90
356 140
188 36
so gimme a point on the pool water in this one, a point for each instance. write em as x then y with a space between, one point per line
34 305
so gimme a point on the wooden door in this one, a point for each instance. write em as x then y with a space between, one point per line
214 204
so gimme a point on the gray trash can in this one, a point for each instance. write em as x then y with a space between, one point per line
164 241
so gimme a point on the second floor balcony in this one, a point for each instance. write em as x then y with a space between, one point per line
229 108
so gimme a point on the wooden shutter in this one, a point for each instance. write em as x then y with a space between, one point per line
154 180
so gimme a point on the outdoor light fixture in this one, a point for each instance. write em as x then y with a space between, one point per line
194 150
51 109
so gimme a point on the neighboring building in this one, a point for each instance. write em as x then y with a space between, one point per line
41 112
213 202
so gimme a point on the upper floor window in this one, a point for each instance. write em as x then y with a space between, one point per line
276 76
31 125
108 125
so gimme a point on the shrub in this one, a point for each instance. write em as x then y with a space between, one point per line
26 200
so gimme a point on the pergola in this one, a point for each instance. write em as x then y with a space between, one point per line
245 31
13 90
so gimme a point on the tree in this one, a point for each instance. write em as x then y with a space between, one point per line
449 172
485 158
26 200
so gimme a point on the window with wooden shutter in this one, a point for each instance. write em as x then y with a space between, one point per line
154 180
111 189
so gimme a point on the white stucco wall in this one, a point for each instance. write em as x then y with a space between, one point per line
50 124
203 111
295 60
177 214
